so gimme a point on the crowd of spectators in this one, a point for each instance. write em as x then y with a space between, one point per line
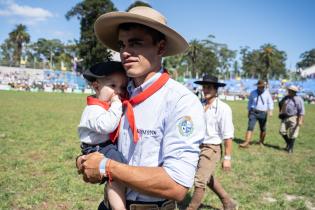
61 81
41 80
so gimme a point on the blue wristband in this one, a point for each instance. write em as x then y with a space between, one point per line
102 166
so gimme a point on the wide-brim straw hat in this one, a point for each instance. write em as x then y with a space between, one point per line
106 28
293 88
209 79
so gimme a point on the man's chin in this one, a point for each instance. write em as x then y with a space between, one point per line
133 73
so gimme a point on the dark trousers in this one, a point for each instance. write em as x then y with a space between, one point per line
108 149
256 115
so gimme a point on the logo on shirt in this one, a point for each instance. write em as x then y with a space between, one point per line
185 126
147 132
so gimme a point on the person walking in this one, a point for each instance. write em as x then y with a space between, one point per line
219 129
163 123
291 114
260 105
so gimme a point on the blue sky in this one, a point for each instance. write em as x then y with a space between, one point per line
288 24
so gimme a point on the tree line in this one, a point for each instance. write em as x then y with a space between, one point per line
203 56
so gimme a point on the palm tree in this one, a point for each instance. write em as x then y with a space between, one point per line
266 56
193 54
19 36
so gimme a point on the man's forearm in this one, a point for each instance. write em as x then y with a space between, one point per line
152 181
228 147
300 120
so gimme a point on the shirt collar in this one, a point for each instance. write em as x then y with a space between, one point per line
132 89
214 103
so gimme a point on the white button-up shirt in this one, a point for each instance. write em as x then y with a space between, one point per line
97 123
171 126
219 123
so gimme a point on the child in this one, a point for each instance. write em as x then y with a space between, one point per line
101 117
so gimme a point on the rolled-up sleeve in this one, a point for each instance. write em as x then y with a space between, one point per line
250 100
227 123
184 132
300 107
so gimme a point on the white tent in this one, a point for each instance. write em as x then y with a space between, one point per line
308 71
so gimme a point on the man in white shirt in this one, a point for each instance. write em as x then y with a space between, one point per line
163 124
219 129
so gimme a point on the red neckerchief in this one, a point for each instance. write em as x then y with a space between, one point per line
137 100
90 100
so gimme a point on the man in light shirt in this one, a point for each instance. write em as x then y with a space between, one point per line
163 122
219 129
260 104
291 113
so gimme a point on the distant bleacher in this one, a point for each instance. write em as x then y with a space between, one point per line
65 81
46 80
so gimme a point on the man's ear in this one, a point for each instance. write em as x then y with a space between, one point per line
95 85
162 47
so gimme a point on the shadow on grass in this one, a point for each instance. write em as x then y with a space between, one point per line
184 204
276 147
238 141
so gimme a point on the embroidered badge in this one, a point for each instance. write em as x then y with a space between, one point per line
185 126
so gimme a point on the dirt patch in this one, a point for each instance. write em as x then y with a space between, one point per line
268 197
308 204
35 156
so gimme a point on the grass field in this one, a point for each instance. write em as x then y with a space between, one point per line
38 144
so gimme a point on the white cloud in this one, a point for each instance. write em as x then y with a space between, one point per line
24 13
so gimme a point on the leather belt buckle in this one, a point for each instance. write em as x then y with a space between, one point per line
144 207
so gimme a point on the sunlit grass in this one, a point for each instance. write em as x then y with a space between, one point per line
38 144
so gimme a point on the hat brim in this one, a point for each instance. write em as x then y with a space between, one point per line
260 85
88 75
293 89
218 84
106 30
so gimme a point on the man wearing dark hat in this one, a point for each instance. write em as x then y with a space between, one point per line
260 103
163 122
291 113
219 129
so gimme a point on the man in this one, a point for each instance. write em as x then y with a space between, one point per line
291 113
219 129
260 104
163 124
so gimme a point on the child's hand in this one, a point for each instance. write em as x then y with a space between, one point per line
115 97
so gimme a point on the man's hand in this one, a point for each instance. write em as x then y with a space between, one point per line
90 167
78 163
270 113
226 165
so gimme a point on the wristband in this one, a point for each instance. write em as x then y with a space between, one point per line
102 166
227 157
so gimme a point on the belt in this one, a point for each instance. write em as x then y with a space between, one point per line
258 111
159 205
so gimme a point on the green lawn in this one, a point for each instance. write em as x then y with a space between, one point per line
38 144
